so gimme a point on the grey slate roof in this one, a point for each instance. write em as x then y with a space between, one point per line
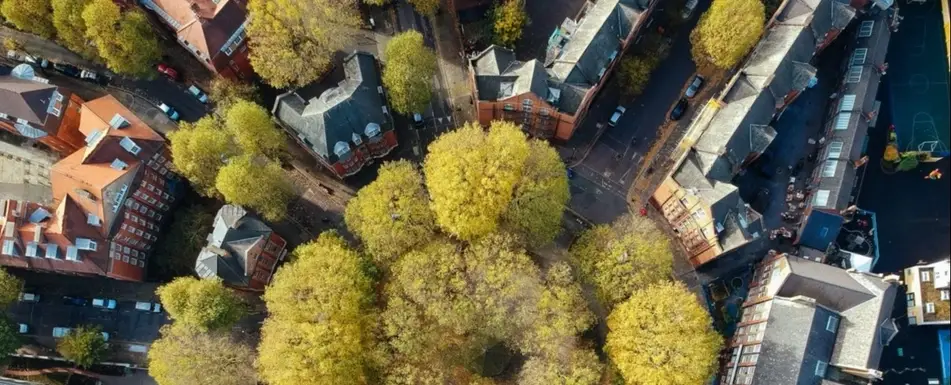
794 341
337 115
25 99
498 76
236 238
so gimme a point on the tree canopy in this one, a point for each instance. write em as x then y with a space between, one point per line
540 196
224 92
293 41
10 287
9 338
33 16
509 18
125 41
408 73
253 130
618 259
199 151
201 304
661 335
426 7
576 367
84 345
70 26
391 214
727 31
318 328
184 356
635 72
186 236
256 183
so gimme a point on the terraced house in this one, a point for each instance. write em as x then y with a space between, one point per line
928 293
550 98
242 250
34 109
212 30
110 199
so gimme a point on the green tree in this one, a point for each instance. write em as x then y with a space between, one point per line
318 328
576 367
84 345
293 41
662 335
471 175
391 215
125 41
408 73
224 92
33 16
540 197
426 7
10 287
185 356
256 183
199 151
70 26
253 130
634 73
509 18
201 304
9 338
187 235
727 31
618 259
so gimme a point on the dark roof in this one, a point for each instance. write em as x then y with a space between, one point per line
795 340
828 285
25 99
499 76
820 229
236 238
340 116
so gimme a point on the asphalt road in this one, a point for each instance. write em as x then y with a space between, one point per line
611 167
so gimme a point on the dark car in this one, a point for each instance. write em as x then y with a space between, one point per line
75 301
679 109
571 174
67 69
695 86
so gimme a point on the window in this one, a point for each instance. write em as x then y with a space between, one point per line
865 30
835 149
31 249
93 136
929 308
72 253
912 320
854 75
130 146
744 375
822 198
508 107
828 168
842 120
118 164
821 367
51 250
925 276
945 295
86 244
858 57
93 219
910 297
4 116
832 323
699 215
847 103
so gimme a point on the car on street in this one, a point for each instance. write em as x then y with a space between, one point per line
616 116
27 58
689 7
149 306
29 297
678 111
198 93
104 303
67 69
75 301
90 76
571 174
105 336
418 121
24 328
172 114
60 332
695 86
168 71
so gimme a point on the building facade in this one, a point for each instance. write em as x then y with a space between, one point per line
212 30
242 250
550 98
42 112
347 126
110 199
928 293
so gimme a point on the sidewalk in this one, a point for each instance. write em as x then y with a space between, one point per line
453 68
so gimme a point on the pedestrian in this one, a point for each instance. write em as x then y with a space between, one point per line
934 174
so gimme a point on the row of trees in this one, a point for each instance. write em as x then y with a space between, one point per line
96 29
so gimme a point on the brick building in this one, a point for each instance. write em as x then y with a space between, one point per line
39 111
242 250
109 201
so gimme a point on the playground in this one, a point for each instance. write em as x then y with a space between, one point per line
918 81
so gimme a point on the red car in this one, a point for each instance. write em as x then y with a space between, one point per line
168 71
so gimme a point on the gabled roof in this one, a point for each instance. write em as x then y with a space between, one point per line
25 99
794 341
236 239
353 108
205 24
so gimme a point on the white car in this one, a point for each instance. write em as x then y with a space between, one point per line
198 94
172 114
104 303
689 7
617 115
149 306
60 332
24 328
29 297
105 336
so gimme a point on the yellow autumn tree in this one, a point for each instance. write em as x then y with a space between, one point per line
426 7
199 151
33 16
318 327
201 304
408 73
540 196
257 183
634 73
727 32
185 356
253 130
661 335
625 256
125 40
509 18
576 366
70 26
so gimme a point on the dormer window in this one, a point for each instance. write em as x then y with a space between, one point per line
94 220
118 122
357 140
130 146
86 244
93 137
342 150
118 164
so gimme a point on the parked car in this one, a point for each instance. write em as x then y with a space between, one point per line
29 297
695 86
67 69
104 303
149 306
571 173
198 93
172 114
24 328
678 111
167 70
418 121
60 332
89 75
105 336
27 58
616 116
75 301
689 7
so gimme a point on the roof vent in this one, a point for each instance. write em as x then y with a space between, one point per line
39 215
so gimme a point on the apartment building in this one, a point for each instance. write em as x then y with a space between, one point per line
242 250
928 293
34 109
